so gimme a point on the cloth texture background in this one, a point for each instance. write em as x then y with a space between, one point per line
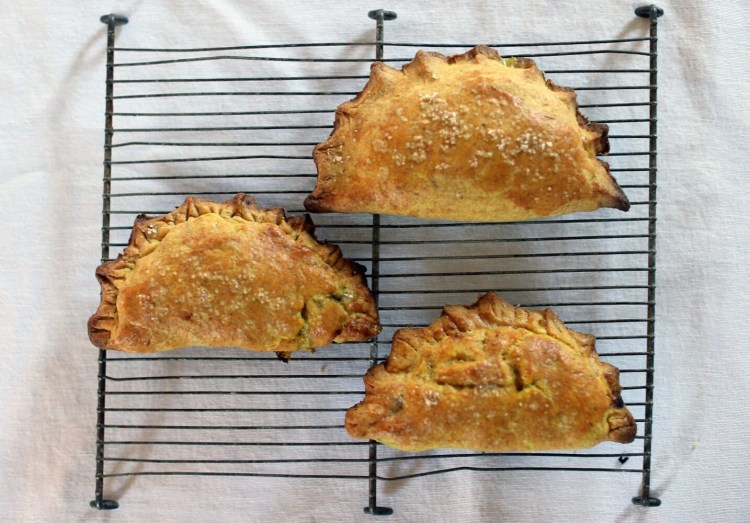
51 137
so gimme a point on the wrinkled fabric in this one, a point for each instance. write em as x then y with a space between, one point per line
53 88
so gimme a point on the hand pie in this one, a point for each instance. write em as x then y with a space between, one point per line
469 137
230 274
492 377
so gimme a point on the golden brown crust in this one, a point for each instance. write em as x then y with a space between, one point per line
465 137
230 274
492 377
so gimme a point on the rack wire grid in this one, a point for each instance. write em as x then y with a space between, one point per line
175 127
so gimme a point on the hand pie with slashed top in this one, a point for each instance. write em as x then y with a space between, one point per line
492 377
469 137
230 275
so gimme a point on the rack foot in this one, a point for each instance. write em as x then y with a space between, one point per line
104 504
379 511
646 502
644 11
387 15
113 19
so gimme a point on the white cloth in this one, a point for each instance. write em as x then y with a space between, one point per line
52 105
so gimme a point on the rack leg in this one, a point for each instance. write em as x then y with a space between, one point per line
112 21
380 16
645 499
104 504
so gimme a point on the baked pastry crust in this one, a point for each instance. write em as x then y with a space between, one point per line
492 377
230 274
467 137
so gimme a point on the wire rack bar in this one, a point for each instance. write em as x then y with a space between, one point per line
182 409
339 77
188 377
224 427
387 459
340 225
306 127
284 127
375 43
235 377
242 443
357 60
233 392
290 111
380 478
226 113
329 93
227 358
540 305
241 79
480 240
352 358
211 129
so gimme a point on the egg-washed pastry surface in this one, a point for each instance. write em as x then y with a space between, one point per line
230 275
469 137
492 377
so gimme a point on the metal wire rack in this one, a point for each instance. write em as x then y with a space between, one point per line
175 126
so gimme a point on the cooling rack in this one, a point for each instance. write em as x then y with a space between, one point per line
176 124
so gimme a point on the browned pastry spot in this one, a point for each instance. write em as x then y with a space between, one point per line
230 274
492 377
467 137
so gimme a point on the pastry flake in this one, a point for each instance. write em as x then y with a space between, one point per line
492 377
230 274
468 137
